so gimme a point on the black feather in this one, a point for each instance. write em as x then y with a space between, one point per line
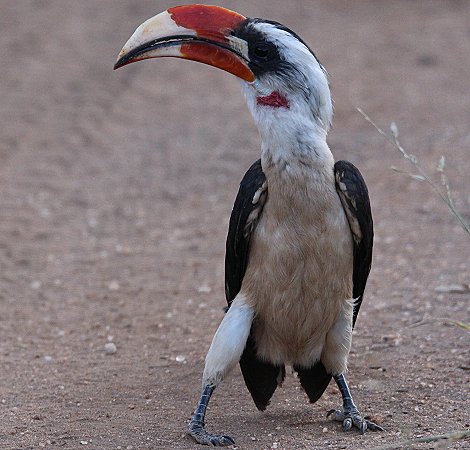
237 246
352 191
261 378
314 380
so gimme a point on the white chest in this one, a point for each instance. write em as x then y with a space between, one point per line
300 267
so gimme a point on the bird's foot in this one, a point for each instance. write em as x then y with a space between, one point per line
201 436
352 417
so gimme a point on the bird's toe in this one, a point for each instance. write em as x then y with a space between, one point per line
201 436
354 419
336 415
347 424
359 423
222 441
373 426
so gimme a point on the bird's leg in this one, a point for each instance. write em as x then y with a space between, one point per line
224 353
196 426
350 416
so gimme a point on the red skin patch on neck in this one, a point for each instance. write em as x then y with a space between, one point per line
275 99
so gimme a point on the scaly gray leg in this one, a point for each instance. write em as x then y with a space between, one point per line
196 426
350 415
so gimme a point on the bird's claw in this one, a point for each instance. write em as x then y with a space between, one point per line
201 436
353 418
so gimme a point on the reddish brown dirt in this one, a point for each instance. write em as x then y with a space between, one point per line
116 188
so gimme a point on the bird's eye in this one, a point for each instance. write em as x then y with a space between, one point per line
261 50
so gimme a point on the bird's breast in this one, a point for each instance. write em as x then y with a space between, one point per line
299 271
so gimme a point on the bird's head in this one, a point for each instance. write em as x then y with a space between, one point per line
282 78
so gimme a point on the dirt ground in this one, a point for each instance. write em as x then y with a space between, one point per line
116 188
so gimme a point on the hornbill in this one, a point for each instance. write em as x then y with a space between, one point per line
299 244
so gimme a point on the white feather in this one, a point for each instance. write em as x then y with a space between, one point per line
228 342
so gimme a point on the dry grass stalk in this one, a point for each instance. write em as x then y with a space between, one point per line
441 438
442 191
457 323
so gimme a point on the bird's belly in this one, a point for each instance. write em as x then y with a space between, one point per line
297 278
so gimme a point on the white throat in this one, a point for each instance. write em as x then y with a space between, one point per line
290 135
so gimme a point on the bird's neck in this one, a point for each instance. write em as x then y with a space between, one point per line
293 139
291 144
298 166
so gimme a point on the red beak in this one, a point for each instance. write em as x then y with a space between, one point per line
196 32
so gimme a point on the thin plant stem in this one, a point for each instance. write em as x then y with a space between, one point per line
448 437
421 175
445 196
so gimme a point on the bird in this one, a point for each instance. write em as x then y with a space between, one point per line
300 235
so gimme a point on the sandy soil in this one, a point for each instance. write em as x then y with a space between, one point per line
116 188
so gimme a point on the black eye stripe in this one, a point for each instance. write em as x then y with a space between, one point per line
259 61
273 61
261 50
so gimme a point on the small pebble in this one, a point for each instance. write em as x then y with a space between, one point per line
204 289
453 288
92 222
180 358
110 348
113 285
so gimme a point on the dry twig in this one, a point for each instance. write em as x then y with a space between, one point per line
457 323
443 192
448 437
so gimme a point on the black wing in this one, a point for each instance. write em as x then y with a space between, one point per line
261 377
245 214
352 191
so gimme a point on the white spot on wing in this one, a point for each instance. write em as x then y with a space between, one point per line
349 206
252 219
258 193
250 222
